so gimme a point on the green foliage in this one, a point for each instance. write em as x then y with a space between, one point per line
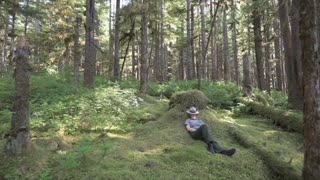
275 98
279 99
222 95
188 99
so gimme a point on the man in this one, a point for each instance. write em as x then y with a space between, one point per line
199 130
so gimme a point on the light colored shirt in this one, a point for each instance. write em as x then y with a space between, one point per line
194 123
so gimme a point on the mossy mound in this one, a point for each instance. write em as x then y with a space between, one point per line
187 99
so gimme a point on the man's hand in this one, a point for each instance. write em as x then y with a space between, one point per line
190 129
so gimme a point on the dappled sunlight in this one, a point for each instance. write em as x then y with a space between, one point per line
120 136
270 132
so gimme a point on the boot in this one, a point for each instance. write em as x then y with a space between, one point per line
210 148
229 152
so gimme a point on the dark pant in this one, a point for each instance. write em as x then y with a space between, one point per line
202 133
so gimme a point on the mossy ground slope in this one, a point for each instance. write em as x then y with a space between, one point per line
158 148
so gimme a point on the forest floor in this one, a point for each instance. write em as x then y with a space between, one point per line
160 148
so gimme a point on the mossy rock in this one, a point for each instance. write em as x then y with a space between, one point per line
187 99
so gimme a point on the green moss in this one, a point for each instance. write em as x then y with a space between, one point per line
279 150
289 120
187 99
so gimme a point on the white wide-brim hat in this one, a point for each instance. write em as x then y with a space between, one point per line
192 110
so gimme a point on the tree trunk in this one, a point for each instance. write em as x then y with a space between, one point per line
134 61
310 41
296 71
189 53
277 54
144 50
13 35
36 34
213 48
26 21
247 86
19 134
111 42
181 58
288 53
203 41
267 58
193 66
77 52
90 51
235 46
156 62
116 61
162 50
227 73
258 47
5 44
220 60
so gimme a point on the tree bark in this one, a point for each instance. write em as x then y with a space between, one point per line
36 34
162 48
26 21
193 66
258 47
156 62
296 69
310 41
213 48
5 44
267 58
116 61
235 46
277 54
77 53
144 50
247 85
188 56
134 61
13 35
227 73
203 41
181 56
111 41
19 134
90 50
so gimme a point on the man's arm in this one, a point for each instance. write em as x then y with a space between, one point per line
189 128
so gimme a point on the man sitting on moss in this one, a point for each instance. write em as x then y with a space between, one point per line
199 130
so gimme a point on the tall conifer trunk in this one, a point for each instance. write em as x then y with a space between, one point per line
144 50
90 50
258 47
227 73
310 45
116 61
236 76
77 52
277 54
189 53
19 134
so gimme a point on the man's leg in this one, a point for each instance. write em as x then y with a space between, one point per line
203 133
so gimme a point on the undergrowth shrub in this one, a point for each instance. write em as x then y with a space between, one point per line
222 95
275 98
98 109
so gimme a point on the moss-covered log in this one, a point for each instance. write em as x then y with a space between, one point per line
281 169
288 120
